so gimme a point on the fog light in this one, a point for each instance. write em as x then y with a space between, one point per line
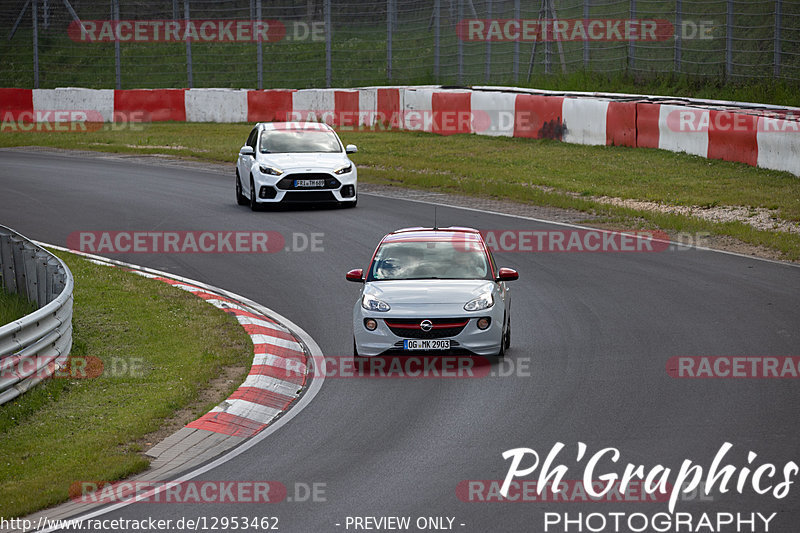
484 322
370 324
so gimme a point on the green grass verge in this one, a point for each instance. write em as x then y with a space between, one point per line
13 307
541 172
68 430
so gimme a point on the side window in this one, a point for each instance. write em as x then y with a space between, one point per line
251 140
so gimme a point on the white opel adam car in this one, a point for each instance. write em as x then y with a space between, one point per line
295 162
432 290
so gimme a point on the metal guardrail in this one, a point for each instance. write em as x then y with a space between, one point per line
35 346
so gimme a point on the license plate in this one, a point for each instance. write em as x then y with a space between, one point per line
309 183
427 344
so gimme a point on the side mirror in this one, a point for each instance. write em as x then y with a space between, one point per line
247 150
351 149
507 274
356 275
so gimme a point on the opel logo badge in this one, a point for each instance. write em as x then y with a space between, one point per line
426 325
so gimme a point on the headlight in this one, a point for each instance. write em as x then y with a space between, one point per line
484 301
272 171
370 303
344 170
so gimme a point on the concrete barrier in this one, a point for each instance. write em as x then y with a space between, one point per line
75 99
150 105
779 144
216 105
584 121
761 135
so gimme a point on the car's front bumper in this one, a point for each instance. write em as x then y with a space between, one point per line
274 189
470 339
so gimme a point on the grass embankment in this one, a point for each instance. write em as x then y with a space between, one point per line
13 307
159 346
541 172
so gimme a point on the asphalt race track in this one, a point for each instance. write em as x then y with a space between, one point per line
592 333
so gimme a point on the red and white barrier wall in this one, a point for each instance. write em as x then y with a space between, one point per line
768 138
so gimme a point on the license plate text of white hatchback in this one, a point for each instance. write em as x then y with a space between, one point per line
309 183
427 344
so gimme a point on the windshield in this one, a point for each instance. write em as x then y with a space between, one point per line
429 260
299 142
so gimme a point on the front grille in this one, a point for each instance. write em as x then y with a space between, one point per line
310 196
287 183
409 328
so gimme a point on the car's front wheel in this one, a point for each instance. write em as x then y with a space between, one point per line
505 339
240 197
253 202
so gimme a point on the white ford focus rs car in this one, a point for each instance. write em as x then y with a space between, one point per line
432 290
295 162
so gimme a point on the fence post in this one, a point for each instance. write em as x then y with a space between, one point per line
35 16
117 69
678 34
631 50
328 42
188 46
778 46
460 45
585 41
516 43
389 8
259 51
436 38
488 44
729 42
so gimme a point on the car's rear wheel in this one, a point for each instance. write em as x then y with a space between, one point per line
253 202
241 199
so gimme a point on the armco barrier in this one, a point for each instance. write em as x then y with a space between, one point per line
36 345
756 134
